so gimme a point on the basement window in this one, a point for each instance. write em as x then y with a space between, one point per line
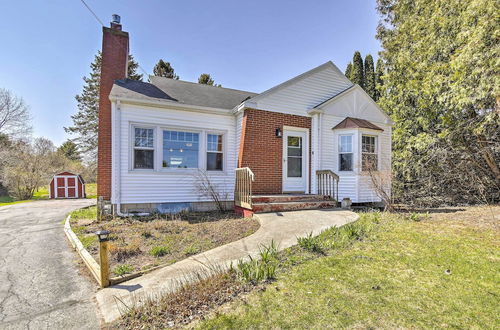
215 155
345 153
143 148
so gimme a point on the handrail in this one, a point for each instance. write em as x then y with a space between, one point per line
328 183
243 187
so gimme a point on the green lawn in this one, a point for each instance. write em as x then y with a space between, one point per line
440 271
43 193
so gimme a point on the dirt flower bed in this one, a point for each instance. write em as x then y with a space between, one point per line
142 243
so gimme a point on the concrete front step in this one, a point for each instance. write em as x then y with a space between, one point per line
292 206
288 198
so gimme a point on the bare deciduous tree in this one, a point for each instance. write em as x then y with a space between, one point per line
14 115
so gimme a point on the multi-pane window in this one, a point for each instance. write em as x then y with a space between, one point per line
345 153
143 148
369 157
215 155
180 149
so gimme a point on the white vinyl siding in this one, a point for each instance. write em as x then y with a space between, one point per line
173 185
306 93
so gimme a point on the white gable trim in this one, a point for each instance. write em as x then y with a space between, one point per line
252 103
319 108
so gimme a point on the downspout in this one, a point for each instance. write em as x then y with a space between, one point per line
116 159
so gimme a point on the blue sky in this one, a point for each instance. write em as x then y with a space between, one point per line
47 45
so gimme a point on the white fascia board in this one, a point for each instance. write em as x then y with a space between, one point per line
171 105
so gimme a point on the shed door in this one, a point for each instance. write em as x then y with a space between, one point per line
61 187
71 187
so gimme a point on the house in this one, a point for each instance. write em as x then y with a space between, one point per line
317 135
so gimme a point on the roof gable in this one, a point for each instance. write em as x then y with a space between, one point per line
354 102
303 92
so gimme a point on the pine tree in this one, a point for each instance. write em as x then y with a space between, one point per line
205 79
70 150
86 119
357 76
348 70
379 72
369 82
164 69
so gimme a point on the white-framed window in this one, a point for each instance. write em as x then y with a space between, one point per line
215 152
144 148
369 153
345 153
181 149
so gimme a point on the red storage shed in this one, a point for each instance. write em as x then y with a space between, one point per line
67 185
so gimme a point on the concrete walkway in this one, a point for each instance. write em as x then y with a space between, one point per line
283 228
40 284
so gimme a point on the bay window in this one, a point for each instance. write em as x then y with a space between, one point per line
180 149
345 153
143 148
369 156
215 154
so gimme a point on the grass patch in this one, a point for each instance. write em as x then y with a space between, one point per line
159 251
121 270
310 243
384 271
88 213
91 190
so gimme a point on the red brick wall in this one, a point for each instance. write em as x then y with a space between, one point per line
262 151
113 67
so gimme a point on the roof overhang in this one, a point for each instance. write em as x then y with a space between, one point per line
355 123
165 104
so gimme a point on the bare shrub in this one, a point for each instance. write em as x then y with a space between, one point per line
205 186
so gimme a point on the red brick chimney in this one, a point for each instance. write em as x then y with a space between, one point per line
113 66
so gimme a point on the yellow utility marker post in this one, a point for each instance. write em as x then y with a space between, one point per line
103 236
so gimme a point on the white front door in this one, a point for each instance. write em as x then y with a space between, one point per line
295 166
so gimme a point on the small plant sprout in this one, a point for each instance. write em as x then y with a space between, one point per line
310 243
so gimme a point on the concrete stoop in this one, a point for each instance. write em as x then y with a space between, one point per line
282 203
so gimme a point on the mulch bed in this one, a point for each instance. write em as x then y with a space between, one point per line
142 243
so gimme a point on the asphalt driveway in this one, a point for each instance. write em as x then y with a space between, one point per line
40 287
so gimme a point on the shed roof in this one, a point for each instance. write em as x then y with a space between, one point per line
178 91
350 122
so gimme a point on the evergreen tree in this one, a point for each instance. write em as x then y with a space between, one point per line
164 69
70 150
357 76
441 87
85 121
379 72
369 82
205 79
348 70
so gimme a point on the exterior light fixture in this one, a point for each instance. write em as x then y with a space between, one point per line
102 235
278 132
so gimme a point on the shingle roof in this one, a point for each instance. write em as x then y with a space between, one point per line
349 122
183 92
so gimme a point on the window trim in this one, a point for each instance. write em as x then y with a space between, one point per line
132 147
223 152
376 153
340 152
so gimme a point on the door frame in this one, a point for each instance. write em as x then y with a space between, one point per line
284 153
